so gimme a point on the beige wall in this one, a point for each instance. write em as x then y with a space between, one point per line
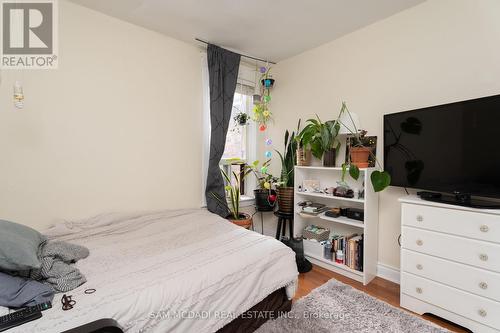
439 51
116 127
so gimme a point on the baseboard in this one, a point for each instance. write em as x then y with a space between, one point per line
388 273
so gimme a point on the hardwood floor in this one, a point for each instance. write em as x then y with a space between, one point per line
382 289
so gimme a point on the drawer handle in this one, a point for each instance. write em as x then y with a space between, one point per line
483 257
484 228
483 285
419 290
482 313
420 218
420 242
420 267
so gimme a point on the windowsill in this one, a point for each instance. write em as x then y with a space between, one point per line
246 201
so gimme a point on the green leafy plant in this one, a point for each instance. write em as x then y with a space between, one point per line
380 179
241 119
233 192
288 159
320 136
265 180
261 112
362 140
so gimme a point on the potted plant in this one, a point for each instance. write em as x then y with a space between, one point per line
304 155
321 137
359 151
285 189
266 78
241 119
380 179
233 195
261 112
265 195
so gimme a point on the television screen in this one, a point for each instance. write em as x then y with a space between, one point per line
446 148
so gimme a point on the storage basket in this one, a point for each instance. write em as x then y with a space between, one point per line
322 236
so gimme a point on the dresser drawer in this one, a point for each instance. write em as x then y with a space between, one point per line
462 250
453 221
480 309
474 280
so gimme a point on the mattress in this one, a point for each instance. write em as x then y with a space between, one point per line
168 271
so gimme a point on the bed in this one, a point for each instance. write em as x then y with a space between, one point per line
169 271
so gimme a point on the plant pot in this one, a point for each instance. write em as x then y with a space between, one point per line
316 161
303 157
262 202
329 158
269 85
360 156
244 221
285 199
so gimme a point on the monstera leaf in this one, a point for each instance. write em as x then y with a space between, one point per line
380 180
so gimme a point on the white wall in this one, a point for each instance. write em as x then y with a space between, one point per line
437 52
116 127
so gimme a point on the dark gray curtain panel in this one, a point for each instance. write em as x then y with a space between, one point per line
223 68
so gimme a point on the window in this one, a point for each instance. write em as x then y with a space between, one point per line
237 141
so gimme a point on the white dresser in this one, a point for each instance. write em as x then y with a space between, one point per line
450 263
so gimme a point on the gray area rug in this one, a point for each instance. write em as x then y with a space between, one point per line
337 307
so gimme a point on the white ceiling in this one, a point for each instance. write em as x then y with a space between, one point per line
270 29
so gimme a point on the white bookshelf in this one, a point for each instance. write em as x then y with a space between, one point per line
328 177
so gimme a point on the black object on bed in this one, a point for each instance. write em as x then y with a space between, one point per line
99 326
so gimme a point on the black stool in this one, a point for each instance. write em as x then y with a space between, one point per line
282 219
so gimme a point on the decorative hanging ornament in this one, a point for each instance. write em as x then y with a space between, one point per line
268 154
267 186
263 69
269 142
267 98
262 127
267 83
263 170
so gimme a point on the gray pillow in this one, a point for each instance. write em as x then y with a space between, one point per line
19 247
16 292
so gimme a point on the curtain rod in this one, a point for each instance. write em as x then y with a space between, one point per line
243 55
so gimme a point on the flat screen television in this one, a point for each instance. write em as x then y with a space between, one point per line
452 149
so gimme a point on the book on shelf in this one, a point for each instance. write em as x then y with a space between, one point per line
351 250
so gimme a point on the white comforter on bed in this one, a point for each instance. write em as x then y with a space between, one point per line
170 271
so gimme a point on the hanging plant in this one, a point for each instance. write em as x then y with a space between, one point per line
266 79
262 114
242 119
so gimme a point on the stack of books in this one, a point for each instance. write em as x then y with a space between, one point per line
314 209
350 249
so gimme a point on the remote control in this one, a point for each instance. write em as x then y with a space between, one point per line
23 316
